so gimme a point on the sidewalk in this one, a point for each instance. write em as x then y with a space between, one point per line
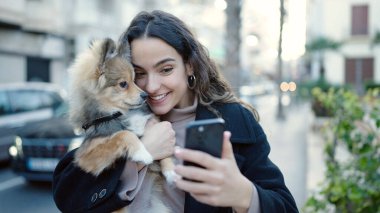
296 149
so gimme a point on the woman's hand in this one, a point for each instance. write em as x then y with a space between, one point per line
220 183
159 139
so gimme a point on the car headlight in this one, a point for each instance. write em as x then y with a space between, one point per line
12 151
75 143
16 149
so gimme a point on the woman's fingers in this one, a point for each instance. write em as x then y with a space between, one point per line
159 140
199 174
204 159
197 187
198 157
205 198
227 151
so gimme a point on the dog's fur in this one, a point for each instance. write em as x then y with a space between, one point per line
102 84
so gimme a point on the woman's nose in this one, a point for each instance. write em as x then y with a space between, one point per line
153 84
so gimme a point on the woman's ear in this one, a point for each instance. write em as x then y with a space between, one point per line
189 69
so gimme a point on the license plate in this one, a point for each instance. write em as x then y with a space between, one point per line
42 164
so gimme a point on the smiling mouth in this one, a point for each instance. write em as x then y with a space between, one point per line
158 97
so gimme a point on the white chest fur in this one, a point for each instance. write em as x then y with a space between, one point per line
137 122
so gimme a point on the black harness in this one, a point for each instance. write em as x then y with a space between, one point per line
101 120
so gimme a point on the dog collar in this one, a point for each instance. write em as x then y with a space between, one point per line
101 120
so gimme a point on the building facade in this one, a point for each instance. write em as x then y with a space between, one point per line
354 24
40 38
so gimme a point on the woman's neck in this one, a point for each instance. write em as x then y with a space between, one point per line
178 114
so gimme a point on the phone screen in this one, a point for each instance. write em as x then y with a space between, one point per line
205 135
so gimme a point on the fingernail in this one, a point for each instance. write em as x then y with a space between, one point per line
177 177
177 167
177 149
227 134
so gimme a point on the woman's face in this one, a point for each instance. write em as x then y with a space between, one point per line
161 72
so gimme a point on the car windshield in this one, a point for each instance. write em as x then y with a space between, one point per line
61 110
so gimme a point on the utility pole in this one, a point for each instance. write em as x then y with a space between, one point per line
280 109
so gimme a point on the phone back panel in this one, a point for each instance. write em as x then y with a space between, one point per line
206 136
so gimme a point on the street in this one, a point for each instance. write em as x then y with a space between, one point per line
288 141
16 195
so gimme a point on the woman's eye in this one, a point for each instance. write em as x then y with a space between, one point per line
123 84
139 75
167 69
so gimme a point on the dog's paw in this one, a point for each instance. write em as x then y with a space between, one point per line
170 176
142 156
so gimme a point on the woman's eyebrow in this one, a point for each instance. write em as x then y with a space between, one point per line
163 61
156 65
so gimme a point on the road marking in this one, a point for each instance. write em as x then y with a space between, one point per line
11 183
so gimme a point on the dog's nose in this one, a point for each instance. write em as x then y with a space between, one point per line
144 95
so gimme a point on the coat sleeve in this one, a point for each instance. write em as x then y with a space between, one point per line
77 191
251 152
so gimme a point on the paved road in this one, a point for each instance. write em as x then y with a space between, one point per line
16 195
289 142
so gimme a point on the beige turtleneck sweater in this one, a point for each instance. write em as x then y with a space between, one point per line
133 180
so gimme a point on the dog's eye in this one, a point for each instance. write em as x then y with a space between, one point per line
123 84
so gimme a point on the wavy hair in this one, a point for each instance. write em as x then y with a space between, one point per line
211 86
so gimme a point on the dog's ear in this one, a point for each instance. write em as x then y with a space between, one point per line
108 51
124 49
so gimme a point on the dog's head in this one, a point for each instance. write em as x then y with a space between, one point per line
103 78
115 78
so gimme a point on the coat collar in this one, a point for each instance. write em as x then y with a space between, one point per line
238 120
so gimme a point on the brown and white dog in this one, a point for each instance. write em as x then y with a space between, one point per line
112 110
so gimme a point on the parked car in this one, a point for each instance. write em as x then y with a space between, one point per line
252 92
21 103
40 145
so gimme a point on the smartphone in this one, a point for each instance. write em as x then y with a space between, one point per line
205 135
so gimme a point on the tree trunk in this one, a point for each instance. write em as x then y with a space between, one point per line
232 56
280 110
149 5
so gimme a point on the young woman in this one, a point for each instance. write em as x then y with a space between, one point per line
183 84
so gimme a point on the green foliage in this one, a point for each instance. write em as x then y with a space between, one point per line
352 153
371 85
376 39
322 43
304 88
305 91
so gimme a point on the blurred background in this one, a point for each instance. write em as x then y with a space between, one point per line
310 67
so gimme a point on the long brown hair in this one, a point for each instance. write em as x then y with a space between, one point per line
211 86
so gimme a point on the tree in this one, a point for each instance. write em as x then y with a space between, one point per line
319 46
376 39
280 110
232 42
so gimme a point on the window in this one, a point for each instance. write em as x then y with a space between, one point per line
359 70
4 104
359 20
24 101
50 99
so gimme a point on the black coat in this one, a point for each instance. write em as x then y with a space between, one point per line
77 191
